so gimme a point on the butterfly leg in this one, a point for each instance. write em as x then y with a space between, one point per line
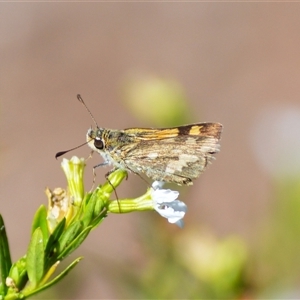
106 176
90 156
94 172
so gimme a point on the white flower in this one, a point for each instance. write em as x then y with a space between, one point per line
166 204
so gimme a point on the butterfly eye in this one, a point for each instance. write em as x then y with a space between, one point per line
98 144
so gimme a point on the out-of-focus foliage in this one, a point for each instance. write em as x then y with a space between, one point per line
196 264
276 253
190 264
160 102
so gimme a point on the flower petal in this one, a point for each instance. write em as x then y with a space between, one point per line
166 204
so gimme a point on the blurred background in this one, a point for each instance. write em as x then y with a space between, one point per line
138 65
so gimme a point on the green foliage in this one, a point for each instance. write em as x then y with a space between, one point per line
189 264
159 101
18 274
5 259
55 234
35 258
73 239
40 221
54 280
54 238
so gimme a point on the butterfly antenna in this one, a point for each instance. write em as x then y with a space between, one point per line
82 102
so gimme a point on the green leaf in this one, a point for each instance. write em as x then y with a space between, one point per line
75 243
53 244
89 211
69 235
101 203
54 237
86 200
55 280
99 219
5 259
40 221
18 273
35 258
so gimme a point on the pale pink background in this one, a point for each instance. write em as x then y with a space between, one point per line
233 59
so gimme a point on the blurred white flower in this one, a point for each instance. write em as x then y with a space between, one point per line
276 140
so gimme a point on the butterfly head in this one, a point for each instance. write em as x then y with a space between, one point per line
95 139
